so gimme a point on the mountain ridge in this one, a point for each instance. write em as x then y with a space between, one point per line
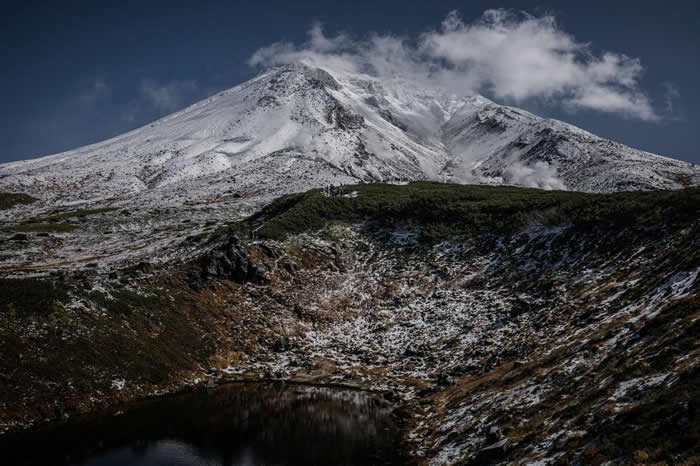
353 126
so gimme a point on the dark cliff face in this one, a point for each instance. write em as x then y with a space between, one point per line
321 78
233 260
343 118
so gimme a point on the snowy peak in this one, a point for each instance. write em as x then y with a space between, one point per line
327 125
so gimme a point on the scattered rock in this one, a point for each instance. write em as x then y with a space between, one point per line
281 344
390 395
144 267
519 306
232 261
413 350
269 251
493 452
290 266
427 391
445 380
494 434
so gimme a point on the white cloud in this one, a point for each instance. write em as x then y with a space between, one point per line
671 93
168 97
514 57
92 93
154 99
538 175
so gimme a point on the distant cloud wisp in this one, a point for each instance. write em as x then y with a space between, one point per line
513 56
168 97
671 93
155 99
99 108
93 92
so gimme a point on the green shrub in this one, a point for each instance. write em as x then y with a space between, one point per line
31 296
80 213
441 210
125 301
43 227
9 200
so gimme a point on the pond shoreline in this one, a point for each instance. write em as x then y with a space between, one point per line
102 405
269 402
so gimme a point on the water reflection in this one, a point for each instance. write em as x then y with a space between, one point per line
236 424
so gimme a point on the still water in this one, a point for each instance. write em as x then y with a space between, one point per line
235 424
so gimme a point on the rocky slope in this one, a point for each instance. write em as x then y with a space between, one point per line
512 325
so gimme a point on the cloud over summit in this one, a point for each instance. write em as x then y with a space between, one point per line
513 56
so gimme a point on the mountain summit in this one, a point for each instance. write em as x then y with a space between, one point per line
297 126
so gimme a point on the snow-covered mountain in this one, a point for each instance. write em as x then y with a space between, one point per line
297 126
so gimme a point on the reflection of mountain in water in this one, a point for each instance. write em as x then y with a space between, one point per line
235 424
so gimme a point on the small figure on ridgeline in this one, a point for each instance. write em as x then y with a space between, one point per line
333 191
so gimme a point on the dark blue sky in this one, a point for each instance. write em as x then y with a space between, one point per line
75 73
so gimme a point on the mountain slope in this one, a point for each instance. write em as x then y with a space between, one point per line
338 126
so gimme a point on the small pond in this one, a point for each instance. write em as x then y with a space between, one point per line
234 424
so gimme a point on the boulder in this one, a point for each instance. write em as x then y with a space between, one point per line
144 267
281 344
493 453
445 380
494 434
233 261
413 350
